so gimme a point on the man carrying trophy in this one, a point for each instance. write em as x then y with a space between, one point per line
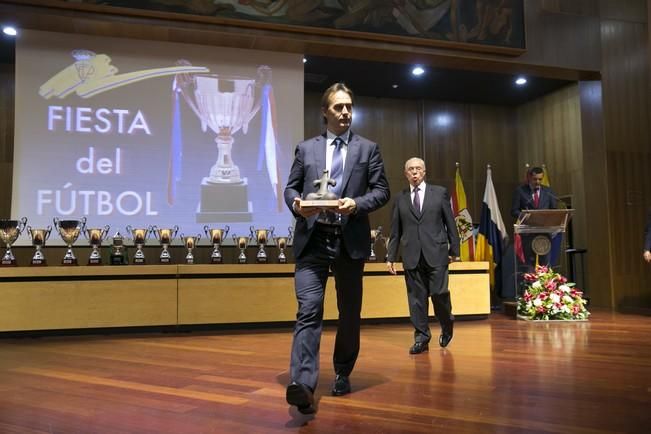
337 239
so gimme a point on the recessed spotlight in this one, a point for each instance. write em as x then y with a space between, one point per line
395 86
418 70
520 81
304 60
8 30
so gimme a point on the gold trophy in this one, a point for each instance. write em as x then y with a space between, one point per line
39 237
190 243
69 230
241 242
10 230
260 236
95 236
281 243
217 237
139 239
224 104
165 238
376 235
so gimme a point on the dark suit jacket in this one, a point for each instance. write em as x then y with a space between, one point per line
433 232
522 199
647 234
363 180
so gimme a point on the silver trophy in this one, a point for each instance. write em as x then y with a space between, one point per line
118 254
165 238
95 236
190 242
10 230
69 230
260 237
376 235
139 239
39 237
241 243
216 236
281 243
225 104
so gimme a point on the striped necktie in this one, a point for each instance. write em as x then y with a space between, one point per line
337 167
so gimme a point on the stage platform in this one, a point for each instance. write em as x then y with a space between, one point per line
80 297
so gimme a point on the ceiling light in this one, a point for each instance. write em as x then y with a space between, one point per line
520 81
395 86
418 70
8 30
304 60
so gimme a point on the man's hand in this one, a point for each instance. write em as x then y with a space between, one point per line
305 212
391 267
647 256
454 259
346 206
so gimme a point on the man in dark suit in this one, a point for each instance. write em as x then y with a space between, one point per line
337 240
647 240
532 195
423 226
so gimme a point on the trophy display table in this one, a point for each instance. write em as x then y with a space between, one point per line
58 298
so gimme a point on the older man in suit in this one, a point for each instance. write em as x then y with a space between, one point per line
335 239
423 226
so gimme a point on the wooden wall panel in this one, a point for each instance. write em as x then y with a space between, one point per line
6 137
626 126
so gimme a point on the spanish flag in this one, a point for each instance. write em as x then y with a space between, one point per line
492 232
462 218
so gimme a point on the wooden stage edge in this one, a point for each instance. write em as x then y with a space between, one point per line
59 298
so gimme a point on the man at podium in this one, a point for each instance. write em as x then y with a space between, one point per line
532 195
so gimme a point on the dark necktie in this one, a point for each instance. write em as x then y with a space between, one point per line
417 201
536 198
337 167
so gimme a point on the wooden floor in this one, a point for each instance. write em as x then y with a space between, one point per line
498 375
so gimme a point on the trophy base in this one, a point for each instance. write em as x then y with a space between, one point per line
165 260
282 260
8 263
95 261
69 262
323 204
216 260
224 203
139 261
38 262
118 260
261 260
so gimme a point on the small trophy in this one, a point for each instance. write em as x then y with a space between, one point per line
260 236
165 237
39 237
241 242
376 234
217 237
323 198
118 256
139 239
190 243
95 236
9 232
69 230
281 243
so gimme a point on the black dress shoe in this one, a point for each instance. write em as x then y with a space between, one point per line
445 339
301 396
419 347
341 386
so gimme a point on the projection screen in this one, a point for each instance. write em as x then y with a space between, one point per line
141 133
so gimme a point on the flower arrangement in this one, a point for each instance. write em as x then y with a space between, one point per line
549 296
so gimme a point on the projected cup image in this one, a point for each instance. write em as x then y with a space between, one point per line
39 237
225 104
139 239
165 238
216 236
95 237
10 230
69 230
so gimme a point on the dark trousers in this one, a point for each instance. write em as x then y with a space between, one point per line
324 252
424 282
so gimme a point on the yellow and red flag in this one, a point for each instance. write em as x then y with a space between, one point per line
463 218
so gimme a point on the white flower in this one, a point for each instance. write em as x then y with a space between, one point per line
536 285
537 302
564 288
555 297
